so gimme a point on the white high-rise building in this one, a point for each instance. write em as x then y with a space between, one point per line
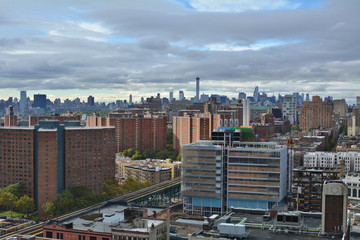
23 100
246 112
289 108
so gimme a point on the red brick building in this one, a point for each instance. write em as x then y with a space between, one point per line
316 113
146 132
11 119
33 120
17 158
51 157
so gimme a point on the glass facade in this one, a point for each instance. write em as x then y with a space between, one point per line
246 175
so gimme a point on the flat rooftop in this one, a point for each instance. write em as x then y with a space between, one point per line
112 217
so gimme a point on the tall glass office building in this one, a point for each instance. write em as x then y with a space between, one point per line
217 177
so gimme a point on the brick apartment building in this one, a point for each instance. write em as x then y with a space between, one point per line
316 113
33 120
11 119
133 130
50 157
192 127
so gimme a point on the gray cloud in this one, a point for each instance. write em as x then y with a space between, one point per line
153 46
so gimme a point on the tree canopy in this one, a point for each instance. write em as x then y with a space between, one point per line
81 196
138 154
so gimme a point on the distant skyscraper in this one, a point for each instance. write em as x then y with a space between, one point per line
130 99
22 101
307 98
223 99
158 95
297 97
142 100
256 94
197 98
204 98
242 95
40 101
91 101
171 96
302 98
289 108
181 95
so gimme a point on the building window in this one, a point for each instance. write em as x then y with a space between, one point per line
49 234
92 238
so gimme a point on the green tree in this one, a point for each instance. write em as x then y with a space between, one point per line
149 154
125 153
111 188
49 209
169 137
343 129
65 204
294 127
15 189
7 200
131 152
137 156
25 204
80 191
178 158
145 184
130 185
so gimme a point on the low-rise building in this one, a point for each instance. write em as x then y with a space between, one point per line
353 183
153 174
331 159
112 222
122 162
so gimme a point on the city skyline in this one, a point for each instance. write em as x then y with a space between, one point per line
113 49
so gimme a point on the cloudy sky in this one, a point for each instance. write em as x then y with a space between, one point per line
112 48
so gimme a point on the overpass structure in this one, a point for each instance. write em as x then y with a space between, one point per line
158 197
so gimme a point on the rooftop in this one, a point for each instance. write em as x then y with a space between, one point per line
112 217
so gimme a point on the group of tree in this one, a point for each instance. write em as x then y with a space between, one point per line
72 199
343 129
11 199
81 196
138 154
111 188
330 146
